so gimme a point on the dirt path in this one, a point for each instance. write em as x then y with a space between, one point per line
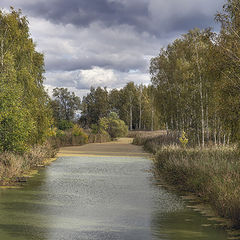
121 147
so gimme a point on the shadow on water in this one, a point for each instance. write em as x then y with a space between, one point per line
90 198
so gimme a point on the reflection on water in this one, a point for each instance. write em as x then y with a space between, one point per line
99 198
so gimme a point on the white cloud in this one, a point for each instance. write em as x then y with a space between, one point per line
97 77
80 81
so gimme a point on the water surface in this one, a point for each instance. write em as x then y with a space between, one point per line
99 197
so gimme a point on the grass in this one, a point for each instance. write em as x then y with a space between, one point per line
212 173
151 141
13 166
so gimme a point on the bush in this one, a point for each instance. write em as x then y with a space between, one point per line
114 126
117 128
60 133
79 136
74 136
64 125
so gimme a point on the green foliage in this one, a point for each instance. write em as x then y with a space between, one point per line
60 133
196 81
64 105
77 131
183 139
133 104
64 125
16 124
185 77
227 64
94 106
25 116
52 132
113 125
95 129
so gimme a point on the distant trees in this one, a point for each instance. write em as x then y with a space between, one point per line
132 103
25 114
64 105
94 106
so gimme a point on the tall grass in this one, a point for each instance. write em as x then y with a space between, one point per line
99 138
12 165
213 173
151 141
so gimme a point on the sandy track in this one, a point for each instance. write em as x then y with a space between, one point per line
121 147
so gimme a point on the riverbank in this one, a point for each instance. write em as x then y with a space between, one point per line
212 173
16 168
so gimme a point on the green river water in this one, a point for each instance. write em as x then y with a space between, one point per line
102 198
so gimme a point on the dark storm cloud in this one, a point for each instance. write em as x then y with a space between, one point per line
187 22
84 12
122 63
143 15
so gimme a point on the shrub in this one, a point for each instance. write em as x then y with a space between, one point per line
64 125
114 126
60 133
79 135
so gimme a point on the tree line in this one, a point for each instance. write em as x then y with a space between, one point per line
133 104
196 81
25 114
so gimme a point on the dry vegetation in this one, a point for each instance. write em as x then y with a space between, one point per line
13 166
213 173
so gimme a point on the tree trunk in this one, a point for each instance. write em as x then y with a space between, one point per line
140 109
228 139
167 128
198 139
152 120
207 120
201 97
130 114
215 130
2 55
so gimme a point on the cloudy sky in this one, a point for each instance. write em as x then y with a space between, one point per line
108 42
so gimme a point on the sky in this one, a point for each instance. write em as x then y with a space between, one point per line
108 43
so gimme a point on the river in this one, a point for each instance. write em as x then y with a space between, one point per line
100 193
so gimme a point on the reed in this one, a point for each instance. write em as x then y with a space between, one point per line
212 173
12 165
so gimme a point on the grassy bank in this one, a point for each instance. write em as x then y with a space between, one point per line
14 167
212 173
